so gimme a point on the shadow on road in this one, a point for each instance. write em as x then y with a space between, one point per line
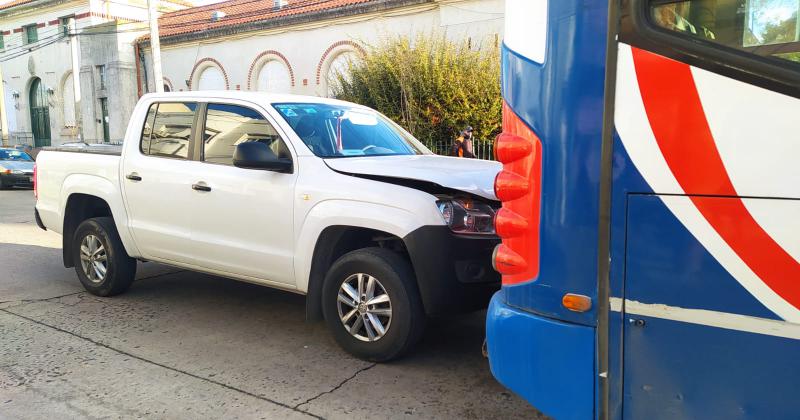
255 339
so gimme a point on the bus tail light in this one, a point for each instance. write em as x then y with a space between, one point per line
518 187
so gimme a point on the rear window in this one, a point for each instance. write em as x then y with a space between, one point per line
167 130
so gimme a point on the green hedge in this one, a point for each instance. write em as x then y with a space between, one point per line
430 85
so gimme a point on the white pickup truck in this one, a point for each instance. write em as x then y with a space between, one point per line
311 195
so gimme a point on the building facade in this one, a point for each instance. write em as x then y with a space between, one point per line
36 58
296 46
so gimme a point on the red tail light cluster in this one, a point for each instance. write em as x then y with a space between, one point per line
518 187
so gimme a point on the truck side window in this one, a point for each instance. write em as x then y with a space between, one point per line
172 130
767 28
147 130
228 125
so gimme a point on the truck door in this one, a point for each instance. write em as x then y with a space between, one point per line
706 112
157 183
241 219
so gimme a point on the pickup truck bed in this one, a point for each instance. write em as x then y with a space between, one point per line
100 149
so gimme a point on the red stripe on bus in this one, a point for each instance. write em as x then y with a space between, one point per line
681 129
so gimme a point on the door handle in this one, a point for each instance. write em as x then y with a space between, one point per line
201 186
133 176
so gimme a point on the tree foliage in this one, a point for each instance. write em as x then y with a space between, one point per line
430 85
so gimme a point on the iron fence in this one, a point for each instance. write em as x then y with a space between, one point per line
482 149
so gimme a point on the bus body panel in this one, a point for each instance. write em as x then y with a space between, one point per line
709 290
544 360
561 100
704 235
696 343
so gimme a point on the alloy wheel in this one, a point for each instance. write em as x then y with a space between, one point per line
364 307
94 259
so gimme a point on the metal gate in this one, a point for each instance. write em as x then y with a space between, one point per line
40 114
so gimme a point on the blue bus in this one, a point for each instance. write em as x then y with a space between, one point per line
651 209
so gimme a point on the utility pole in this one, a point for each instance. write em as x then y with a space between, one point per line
76 73
155 44
3 115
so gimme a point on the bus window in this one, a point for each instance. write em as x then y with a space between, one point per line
768 28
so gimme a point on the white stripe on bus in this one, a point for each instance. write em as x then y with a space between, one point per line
639 141
708 318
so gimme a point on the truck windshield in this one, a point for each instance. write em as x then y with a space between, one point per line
6 154
340 131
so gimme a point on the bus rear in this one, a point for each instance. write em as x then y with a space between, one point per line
651 196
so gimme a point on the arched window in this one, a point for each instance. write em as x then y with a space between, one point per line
274 78
211 78
339 66
68 101
167 88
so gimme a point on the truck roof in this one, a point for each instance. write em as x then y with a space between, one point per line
259 97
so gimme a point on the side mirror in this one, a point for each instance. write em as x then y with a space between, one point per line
256 155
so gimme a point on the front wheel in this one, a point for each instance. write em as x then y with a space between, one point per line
371 304
103 266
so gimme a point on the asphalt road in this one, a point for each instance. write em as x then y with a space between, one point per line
185 345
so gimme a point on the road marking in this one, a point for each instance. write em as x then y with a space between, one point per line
708 318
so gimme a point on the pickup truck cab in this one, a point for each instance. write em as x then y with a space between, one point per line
316 196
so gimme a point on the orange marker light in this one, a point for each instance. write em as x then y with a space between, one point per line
576 303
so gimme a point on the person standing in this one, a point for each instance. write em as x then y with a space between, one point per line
462 146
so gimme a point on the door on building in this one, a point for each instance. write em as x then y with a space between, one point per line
40 114
104 116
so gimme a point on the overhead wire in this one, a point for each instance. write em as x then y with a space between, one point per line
29 50
23 49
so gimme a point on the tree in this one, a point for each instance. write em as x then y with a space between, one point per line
431 86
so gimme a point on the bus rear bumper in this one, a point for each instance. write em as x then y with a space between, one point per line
549 363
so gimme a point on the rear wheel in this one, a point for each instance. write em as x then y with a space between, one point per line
371 304
103 266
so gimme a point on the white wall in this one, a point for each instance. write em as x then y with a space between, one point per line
304 46
53 64
50 63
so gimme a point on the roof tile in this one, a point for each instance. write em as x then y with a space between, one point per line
198 19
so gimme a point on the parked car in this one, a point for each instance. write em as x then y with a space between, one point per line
16 169
317 196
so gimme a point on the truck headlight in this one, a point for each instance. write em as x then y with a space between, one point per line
467 216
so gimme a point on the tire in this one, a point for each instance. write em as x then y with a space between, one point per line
392 276
120 269
3 185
